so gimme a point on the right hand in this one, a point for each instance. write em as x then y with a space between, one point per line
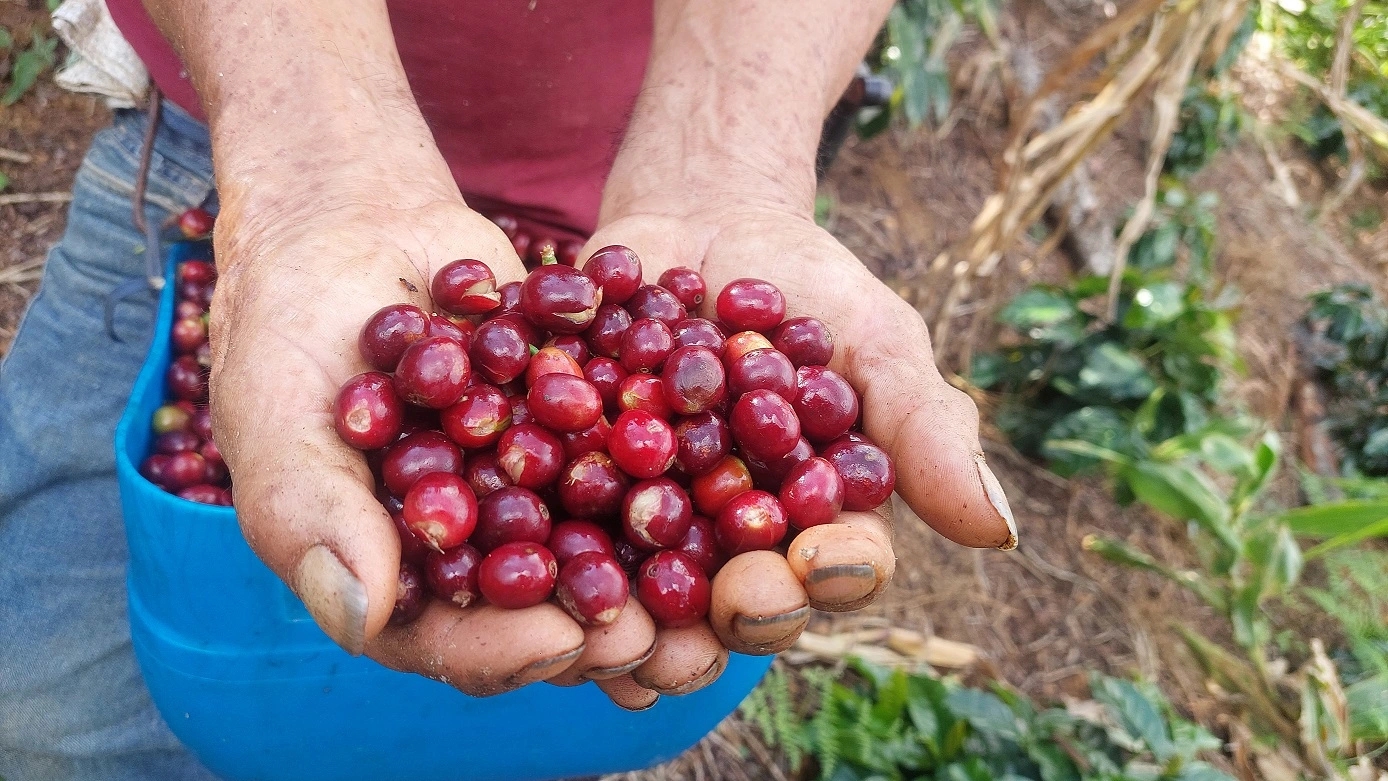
294 292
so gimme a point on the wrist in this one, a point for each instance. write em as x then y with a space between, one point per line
674 174
309 109
341 172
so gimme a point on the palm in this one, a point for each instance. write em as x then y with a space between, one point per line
882 347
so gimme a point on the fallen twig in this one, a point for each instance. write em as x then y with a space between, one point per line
888 647
28 271
14 198
15 156
1339 77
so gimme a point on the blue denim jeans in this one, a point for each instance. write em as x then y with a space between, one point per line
72 702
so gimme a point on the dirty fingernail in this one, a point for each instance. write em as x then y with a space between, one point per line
600 673
841 584
628 694
704 678
544 668
998 499
334 597
769 633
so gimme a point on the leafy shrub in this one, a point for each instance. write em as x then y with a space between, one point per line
911 50
1348 347
1210 120
890 725
1356 595
1152 375
27 65
1305 32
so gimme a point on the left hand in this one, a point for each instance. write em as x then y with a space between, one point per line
761 601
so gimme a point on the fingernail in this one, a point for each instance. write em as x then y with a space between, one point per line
714 670
998 498
334 597
638 708
841 584
538 671
601 673
766 632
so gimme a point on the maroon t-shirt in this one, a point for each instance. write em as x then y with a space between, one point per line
527 99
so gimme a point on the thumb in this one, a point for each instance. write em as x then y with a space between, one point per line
303 497
928 427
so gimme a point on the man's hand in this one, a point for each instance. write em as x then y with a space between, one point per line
717 173
760 600
285 320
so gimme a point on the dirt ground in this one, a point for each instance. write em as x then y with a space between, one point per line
42 140
1048 613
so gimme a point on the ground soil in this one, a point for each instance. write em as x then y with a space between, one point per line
1048 613
52 128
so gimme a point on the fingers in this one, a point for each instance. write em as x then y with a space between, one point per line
627 693
759 606
844 565
929 428
642 662
483 650
683 660
686 659
882 347
613 650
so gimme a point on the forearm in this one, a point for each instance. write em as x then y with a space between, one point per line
736 94
305 101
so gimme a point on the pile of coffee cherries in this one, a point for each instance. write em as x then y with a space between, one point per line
561 436
185 460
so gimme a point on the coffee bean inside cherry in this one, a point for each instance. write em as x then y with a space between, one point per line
580 436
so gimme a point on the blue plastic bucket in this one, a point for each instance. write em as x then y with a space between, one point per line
248 682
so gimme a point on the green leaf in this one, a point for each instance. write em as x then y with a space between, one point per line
1155 305
1368 709
1054 763
985 712
1333 520
1227 455
1116 373
6 40
1155 249
1201 771
1121 553
971 769
1246 614
28 66
874 120
1082 448
1038 306
1379 529
4 181
891 700
1284 564
1140 717
1182 492
1101 427
823 208
1264 463
922 706
954 739
987 369
1377 443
